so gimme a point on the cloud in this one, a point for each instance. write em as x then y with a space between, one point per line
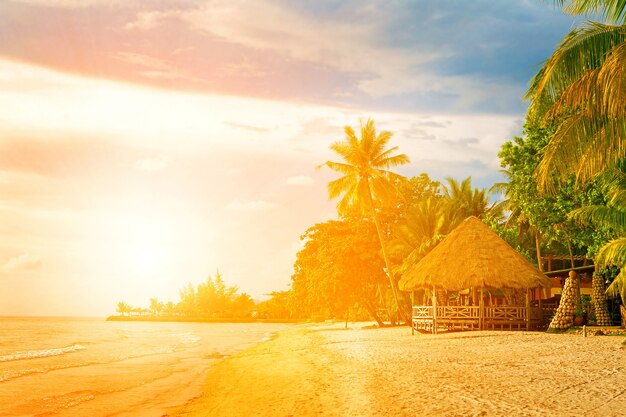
24 261
158 163
350 46
151 20
251 205
155 67
74 4
300 180
247 127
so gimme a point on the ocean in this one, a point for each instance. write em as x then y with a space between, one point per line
91 367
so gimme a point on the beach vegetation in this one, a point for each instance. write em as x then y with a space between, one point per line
581 92
367 184
338 268
212 299
123 308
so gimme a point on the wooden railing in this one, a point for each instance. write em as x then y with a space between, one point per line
472 318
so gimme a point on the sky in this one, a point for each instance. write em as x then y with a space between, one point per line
148 144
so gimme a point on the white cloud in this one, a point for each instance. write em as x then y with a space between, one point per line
158 163
251 205
151 20
300 180
348 46
75 4
22 262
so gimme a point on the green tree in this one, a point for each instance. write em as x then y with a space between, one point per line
187 304
466 201
123 308
425 224
169 309
545 217
583 86
156 306
280 305
609 220
214 297
242 306
366 181
338 266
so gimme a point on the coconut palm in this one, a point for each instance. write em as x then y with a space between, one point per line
516 216
123 308
366 183
611 216
582 86
465 200
424 225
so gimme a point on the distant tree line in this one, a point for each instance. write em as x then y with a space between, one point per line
210 299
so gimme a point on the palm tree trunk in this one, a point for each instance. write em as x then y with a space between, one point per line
374 314
388 265
538 249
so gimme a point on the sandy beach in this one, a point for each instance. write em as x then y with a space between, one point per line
389 372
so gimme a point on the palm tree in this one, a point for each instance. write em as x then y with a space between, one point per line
583 87
156 306
366 182
465 200
510 204
613 217
123 308
423 227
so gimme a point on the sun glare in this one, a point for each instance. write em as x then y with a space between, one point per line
146 260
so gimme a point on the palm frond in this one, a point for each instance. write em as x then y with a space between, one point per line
614 11
340 167
340 185
600 216
582 49
618 286
613 253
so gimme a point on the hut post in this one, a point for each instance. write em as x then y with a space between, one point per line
527 309
481 311
540 312
434 298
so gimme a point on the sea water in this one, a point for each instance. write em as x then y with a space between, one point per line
91 367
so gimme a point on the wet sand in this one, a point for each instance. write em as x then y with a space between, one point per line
388 372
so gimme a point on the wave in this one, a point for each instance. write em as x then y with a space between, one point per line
43 353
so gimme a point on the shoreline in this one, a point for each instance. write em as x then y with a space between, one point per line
325 370
193 319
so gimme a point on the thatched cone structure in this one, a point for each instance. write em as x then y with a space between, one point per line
473 256
564 316
598 301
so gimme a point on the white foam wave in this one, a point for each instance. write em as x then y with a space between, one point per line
43 353
188 338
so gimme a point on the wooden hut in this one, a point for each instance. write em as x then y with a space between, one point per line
472 257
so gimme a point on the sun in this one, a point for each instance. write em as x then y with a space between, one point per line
145 246
147 260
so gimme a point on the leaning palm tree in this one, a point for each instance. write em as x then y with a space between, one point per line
582 86
366 182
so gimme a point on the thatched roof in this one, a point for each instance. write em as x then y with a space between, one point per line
472 255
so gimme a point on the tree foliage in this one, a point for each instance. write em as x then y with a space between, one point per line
338 266
545 217
367 183
583 86
212 298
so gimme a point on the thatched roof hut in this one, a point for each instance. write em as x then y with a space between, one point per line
472 255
